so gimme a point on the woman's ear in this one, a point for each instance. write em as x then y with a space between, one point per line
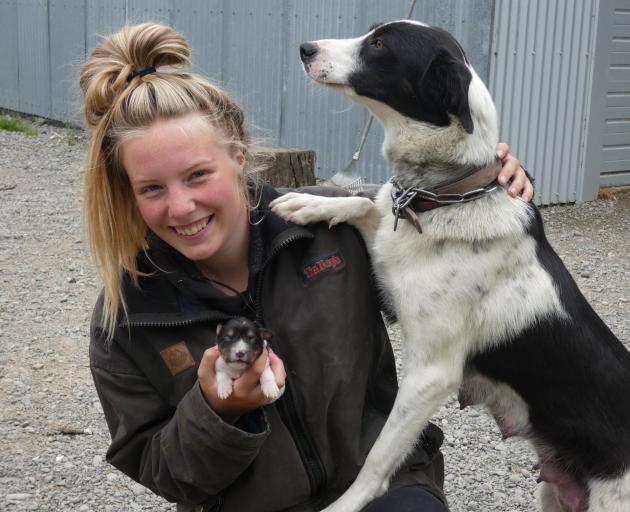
239 157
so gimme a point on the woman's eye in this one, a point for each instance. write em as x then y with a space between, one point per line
197 175
148 189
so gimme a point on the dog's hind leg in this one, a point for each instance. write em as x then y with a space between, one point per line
421 393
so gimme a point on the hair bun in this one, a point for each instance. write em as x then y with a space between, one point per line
105 73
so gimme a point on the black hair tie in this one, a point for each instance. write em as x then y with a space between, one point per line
142 72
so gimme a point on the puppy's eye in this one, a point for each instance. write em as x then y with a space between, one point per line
378 44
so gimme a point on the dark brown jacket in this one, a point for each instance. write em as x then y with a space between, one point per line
314 289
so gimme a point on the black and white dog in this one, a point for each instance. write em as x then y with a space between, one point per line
485 305
240 343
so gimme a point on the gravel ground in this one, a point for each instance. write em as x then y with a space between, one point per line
53 435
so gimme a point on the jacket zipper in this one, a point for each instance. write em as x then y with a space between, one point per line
311 460
176 323
313 464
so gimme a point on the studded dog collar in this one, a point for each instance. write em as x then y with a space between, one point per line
474 184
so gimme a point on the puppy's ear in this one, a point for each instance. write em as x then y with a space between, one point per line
266 334
446 82
218 329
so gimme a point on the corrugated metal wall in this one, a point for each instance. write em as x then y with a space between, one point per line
249 46
540 76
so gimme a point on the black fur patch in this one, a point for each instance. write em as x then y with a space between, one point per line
419 71
241 329
574 375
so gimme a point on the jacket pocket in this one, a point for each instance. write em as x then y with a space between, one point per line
275 480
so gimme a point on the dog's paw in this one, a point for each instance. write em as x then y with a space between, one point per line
358 495
224 389
270 389
342 505
303 208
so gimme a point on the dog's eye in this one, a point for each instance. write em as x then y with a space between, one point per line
378 44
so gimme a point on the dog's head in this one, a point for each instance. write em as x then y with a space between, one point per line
240 342
411 71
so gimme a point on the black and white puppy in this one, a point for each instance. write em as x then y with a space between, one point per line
485 305
240 343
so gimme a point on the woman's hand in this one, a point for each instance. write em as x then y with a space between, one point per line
513 171
246 392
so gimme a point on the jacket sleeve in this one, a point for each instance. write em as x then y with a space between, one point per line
187 454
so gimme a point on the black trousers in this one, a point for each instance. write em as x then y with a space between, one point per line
406 499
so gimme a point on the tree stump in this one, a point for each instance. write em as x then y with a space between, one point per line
285 167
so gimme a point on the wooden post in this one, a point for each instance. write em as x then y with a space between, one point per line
285 167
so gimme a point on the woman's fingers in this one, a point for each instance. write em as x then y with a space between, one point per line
528 192
513 174
502 150
246 390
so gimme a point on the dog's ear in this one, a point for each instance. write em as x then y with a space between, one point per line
445 83
266 334
458 79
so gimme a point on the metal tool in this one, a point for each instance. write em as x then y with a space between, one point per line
349 177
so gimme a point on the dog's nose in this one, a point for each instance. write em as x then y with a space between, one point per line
308 51
240 354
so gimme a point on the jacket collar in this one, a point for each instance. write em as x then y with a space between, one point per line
161 263
275 231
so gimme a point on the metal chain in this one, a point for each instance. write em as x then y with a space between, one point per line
401 198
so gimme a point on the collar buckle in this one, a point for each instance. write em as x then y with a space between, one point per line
401 198
407 202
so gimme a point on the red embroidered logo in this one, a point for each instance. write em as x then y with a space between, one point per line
322 266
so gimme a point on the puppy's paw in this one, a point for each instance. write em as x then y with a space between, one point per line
303 208
270 389
224 388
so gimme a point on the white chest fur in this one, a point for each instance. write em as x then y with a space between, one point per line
466 278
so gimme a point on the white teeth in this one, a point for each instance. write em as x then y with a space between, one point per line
192 230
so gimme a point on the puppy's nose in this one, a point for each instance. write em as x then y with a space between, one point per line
308 51
240 354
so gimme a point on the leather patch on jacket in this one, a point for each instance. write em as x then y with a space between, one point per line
177 358
321 266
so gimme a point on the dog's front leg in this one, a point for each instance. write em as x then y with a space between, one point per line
302 209
421 393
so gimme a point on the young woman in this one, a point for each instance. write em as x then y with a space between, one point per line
183 241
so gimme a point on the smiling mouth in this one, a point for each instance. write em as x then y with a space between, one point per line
192 229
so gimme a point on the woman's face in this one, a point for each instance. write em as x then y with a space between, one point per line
186 186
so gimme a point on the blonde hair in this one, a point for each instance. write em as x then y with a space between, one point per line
119 102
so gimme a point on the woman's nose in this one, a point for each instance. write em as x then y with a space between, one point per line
180 204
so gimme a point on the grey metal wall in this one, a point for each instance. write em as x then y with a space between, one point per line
249 46
540 76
